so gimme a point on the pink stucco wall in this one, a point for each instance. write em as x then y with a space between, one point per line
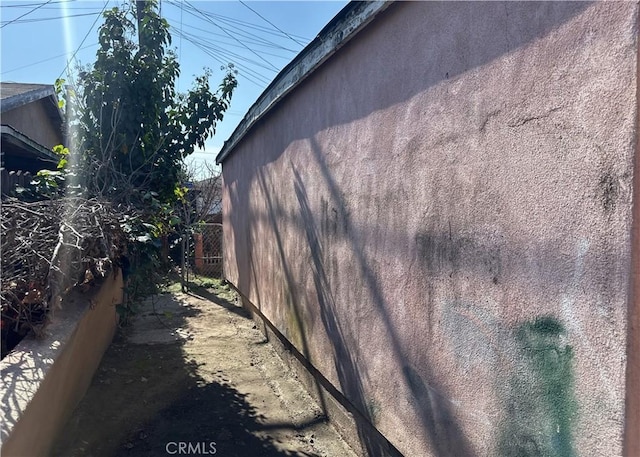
439 219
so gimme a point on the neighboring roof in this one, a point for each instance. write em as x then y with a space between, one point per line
15 95
344 26
21 152
207 182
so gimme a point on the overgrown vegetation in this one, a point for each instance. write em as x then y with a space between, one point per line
120 183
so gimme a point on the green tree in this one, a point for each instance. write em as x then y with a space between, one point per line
133 128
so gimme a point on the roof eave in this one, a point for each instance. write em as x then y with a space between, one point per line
24 142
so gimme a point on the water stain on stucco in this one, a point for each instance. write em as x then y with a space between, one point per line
448 253
541 407
608 190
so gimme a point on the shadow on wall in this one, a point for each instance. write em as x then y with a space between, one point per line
438 252
523 25
445 434
446 437
345 364
541 387
296 324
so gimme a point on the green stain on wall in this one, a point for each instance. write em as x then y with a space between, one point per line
541 405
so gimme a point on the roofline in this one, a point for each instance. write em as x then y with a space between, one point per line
342 28
22 140
16 101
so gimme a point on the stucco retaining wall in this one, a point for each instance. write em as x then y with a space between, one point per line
439 219
44 379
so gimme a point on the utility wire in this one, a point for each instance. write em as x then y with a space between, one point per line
85 38
227 54
233 21
251 75
238 26
236 39
248 25
45 60
272 24
44 19
205 46
29 5
25 14
233 54
246 72
257 41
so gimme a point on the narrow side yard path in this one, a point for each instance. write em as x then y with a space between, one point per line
193 369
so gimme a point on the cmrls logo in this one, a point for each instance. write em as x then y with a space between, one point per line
188 448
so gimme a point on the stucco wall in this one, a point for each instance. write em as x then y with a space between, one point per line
33 121
439 219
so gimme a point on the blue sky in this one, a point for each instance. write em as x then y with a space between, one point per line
259 37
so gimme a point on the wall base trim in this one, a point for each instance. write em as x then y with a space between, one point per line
350 423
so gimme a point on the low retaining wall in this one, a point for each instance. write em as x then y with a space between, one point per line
44 379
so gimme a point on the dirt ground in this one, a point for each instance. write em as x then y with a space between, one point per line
192 375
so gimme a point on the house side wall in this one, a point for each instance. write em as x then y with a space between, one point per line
33 121
632 419
439 219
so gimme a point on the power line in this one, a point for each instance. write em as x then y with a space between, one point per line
234 45
257 41
84 39
45 60
237 22
44 19
230 53
272 24
235 34
236 39
248 25
251 75
29 5
25 14
238 27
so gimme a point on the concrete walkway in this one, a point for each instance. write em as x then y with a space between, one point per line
193 376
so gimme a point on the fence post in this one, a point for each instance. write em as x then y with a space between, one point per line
199 252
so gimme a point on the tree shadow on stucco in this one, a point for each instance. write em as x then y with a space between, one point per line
439 423
144 398
292 289
346 366
309 114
